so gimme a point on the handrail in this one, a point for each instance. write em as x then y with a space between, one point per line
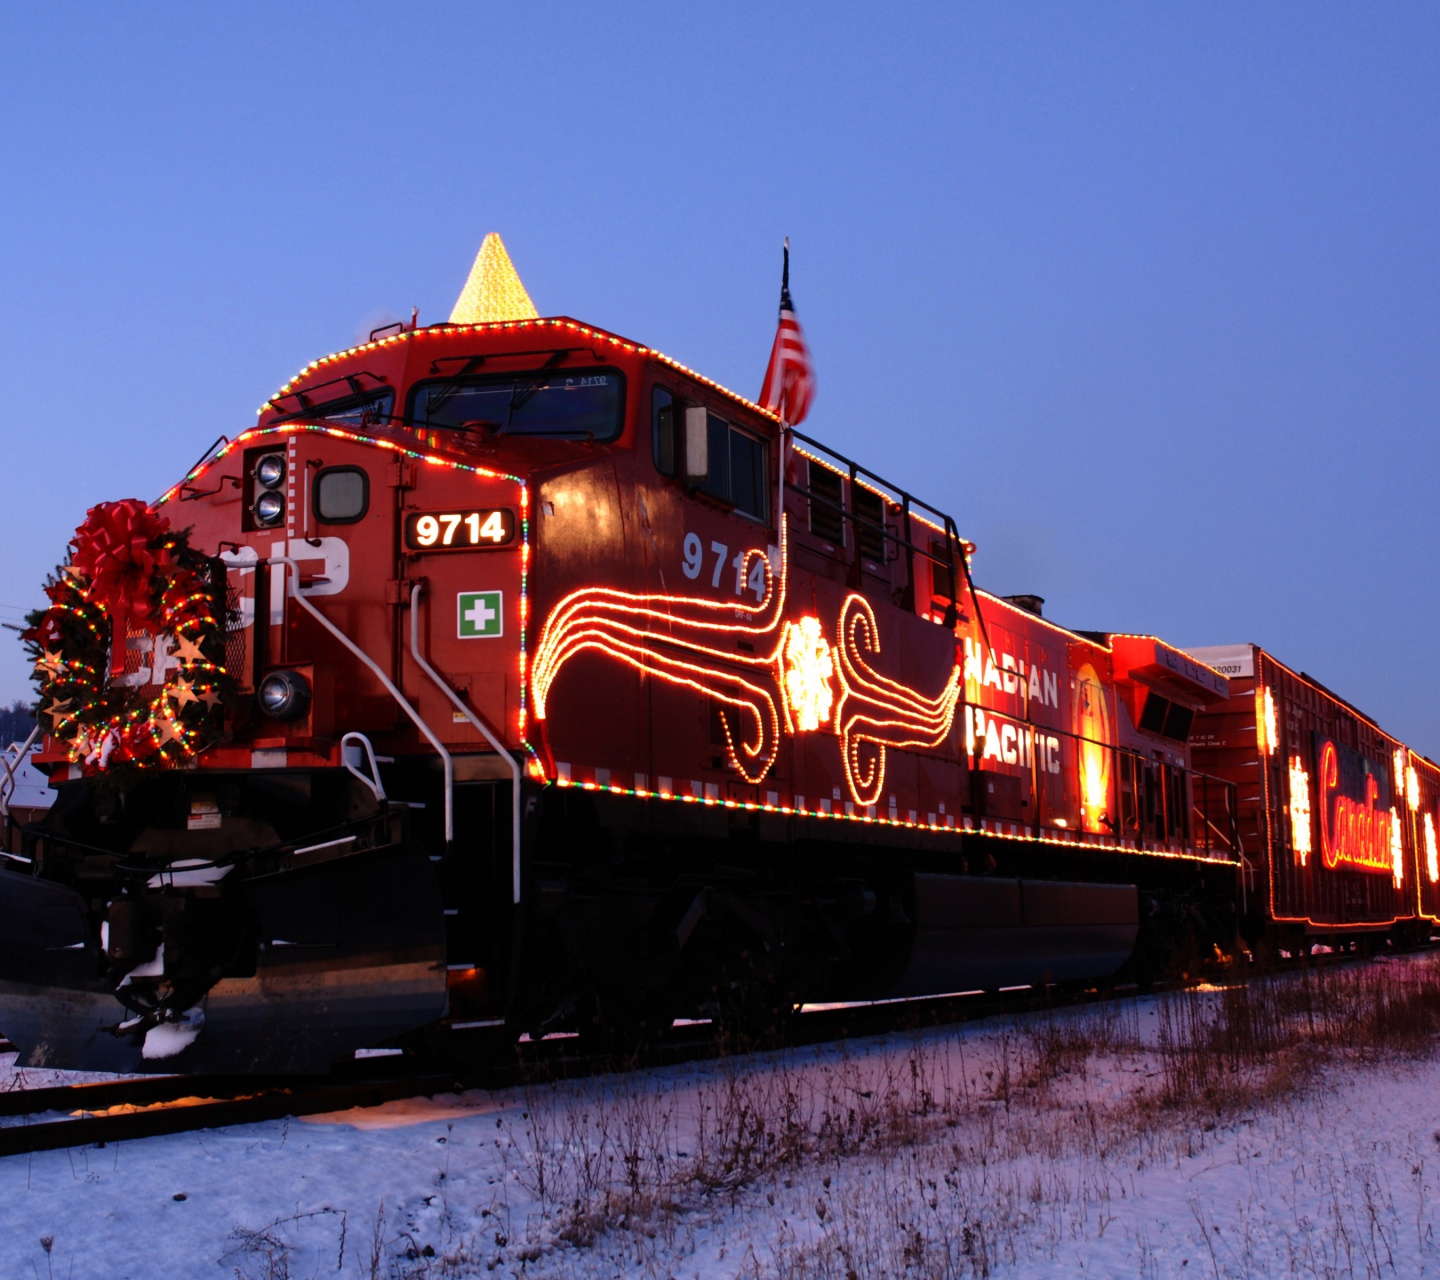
1232 846
485 732
7 787
372 779
857 468
907 503
293 590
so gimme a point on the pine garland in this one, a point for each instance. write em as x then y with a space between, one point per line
130 577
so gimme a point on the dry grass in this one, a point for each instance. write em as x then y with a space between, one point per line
1010 1144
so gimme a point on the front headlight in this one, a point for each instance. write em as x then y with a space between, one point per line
284 695
270 470
269 507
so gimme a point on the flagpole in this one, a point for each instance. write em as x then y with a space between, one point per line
780 510
784 429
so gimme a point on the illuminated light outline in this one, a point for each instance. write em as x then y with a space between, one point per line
876 711
563 323
872 710
292 427
603 620
938 827
1422 823
1397 849
1432 851
1301 826
1092 731
1265 731
808 667
1356 834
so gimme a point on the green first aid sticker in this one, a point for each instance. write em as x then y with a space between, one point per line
482 615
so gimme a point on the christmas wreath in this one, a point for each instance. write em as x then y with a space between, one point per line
130 654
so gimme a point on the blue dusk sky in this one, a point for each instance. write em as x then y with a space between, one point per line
1144 295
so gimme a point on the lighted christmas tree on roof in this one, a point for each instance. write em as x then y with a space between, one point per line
493 291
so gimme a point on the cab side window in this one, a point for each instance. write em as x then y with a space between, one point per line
739 473
662 417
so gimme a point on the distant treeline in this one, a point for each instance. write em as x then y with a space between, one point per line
16 722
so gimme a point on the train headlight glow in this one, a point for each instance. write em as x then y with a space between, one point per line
269 507
284 695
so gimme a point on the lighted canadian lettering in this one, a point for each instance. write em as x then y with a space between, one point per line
1355 831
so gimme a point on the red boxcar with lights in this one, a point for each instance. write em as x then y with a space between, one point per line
1336 816
564 689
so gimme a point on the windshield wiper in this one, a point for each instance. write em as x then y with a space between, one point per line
445 394
527 390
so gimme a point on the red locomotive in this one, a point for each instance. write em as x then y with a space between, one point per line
511 674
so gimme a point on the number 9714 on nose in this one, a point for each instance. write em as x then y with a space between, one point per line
459 530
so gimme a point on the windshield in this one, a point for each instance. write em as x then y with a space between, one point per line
353 411
545 403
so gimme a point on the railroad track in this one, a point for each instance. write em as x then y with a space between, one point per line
52 1117
123 1110
48 1118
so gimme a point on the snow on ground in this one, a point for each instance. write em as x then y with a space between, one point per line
1151 1138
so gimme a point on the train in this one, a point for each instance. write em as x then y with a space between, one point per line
509 678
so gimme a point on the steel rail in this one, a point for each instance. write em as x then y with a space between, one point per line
162 1105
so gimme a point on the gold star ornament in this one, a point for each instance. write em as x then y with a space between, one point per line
187 650
52 661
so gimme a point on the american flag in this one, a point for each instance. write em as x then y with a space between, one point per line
790 377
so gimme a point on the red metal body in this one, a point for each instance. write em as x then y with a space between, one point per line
660 672
771 735
655 614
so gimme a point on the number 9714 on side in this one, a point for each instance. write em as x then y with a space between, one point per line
459 530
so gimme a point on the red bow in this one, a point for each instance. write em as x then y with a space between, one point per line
116 549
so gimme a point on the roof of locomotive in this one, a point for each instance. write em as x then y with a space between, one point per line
446 331
449 333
